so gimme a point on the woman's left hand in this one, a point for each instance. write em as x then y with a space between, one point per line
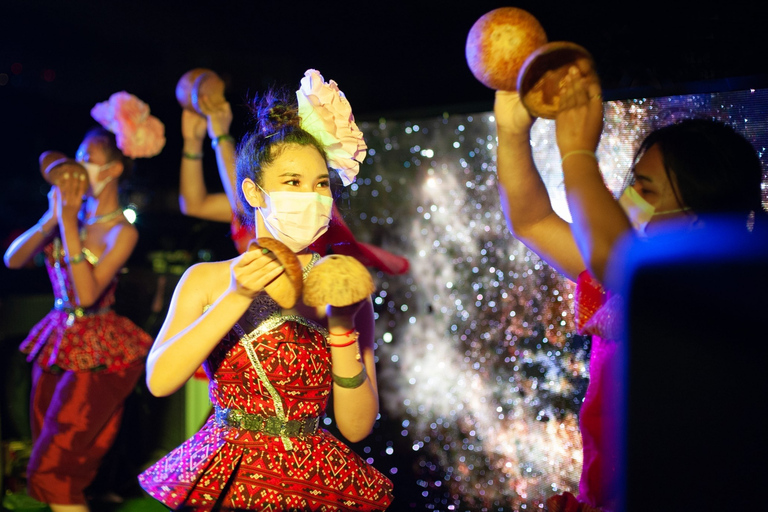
70 190
579 122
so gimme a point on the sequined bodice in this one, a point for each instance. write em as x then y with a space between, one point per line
271 363
277 364
63 290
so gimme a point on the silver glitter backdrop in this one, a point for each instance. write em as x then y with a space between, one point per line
481 372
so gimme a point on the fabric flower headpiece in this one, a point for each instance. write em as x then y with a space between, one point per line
138 134
326 114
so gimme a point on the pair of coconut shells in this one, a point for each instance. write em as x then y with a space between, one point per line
335 279
507 50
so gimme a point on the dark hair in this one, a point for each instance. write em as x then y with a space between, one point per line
109 144
715 168
277 125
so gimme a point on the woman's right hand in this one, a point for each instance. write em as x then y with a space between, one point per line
193 126
70 189
252 271
511 116
53 201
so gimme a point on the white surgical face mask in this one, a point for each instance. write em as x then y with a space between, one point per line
93 176
640 211
296 218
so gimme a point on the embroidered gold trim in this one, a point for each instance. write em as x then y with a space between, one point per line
270 324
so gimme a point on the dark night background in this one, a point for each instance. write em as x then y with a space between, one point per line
391 59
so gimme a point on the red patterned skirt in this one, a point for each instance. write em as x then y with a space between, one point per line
225 468
105 341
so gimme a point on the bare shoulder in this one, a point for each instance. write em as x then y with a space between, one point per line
208 280
122 233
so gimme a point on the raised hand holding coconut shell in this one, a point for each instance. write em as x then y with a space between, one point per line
286 288
507 50
338 281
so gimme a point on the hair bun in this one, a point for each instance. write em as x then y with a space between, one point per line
274 112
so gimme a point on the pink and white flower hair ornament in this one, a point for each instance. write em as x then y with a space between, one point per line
326 114
138 134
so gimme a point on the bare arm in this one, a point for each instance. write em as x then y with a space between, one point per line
190 332
194 199
219 121
524 197
34 239
355 409
598 221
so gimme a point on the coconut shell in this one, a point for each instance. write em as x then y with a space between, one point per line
337 280
286 289
196 83
499 42
542 73
54 163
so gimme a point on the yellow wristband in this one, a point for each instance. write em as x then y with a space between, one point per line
578 152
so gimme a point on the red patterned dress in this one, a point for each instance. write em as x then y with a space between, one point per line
600 314
275 369
87 361
77 339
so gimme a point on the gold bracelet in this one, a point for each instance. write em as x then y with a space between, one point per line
578 152
192 156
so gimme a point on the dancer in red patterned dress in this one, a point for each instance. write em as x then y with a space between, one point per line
87 359
681 172
271 370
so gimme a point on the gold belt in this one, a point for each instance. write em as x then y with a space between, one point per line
270 425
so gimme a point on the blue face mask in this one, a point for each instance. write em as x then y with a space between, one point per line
639 211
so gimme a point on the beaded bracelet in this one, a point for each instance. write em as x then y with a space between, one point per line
348 333
578 152
216 140
350 382
77 258
192 156
354 334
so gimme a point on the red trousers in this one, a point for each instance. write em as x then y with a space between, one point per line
75 418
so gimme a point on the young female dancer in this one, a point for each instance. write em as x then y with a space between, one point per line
681 172
272 370
87 359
